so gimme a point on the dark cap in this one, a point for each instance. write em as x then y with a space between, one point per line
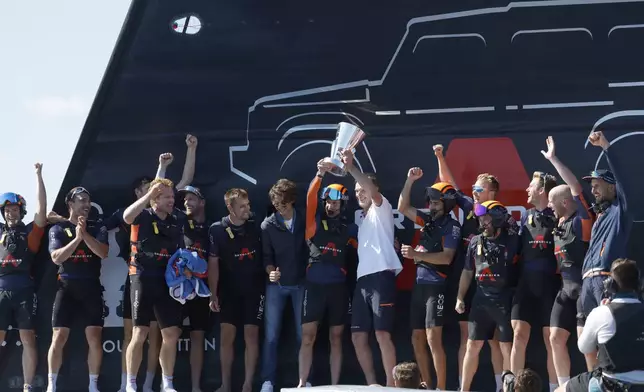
601 174
193 190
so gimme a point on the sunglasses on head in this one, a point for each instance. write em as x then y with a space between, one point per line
74 192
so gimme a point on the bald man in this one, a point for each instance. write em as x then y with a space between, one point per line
572 236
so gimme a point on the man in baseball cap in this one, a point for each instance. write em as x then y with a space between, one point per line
610 232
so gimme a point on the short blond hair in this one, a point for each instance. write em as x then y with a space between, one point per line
234 194
493 182
163 181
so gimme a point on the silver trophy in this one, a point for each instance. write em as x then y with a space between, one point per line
347 137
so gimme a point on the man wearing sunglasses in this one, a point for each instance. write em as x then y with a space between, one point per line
195 234
571 237
538 282
332 247
19 244
156 235
490 259
77 246
484 189
236 274
374 297
438 247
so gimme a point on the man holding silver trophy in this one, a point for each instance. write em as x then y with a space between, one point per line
375 292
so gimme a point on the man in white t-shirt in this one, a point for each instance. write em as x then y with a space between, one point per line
378 265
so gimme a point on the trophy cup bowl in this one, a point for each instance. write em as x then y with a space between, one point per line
347 137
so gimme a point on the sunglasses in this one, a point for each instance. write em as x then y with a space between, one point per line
76 191
477 189
192 189
334 194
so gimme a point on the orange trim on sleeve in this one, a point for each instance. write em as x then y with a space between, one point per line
34 238
312 207
586 224
353 242
419 220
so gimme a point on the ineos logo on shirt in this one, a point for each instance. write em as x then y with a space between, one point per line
245 252
540 241
330 247
10 260
79 256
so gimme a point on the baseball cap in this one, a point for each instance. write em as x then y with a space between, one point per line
601 174
193 190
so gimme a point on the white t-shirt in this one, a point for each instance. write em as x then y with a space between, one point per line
376 251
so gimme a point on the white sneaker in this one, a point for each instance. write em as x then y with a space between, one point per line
267 386
308 385
130 389
169 389
122 389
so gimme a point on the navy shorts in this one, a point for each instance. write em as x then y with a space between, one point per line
592 293
490 311
373 305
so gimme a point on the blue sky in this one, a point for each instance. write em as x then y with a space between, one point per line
54 54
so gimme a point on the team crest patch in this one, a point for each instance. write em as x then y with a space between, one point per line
456 231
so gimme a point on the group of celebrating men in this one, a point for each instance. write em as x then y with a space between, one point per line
502 277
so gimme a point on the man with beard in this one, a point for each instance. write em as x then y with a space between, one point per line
610 232
373 305
156 235
77 247
538 282
571 242
332 243
490 259
19 244
438 246
485 188
234 256
195 235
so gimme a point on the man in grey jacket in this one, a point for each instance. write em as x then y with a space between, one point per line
285 258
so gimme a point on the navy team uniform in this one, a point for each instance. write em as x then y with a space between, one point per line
18 248
428 295
196 239
241 272
539 283
122 237
571 243
154 241
79 285
492 261
332 247
469 229
610 232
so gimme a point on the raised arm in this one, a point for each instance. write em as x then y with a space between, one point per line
40 218
623 185
165 160
444 173
361 178
312 199
135 209
189 166
565 173
404 204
